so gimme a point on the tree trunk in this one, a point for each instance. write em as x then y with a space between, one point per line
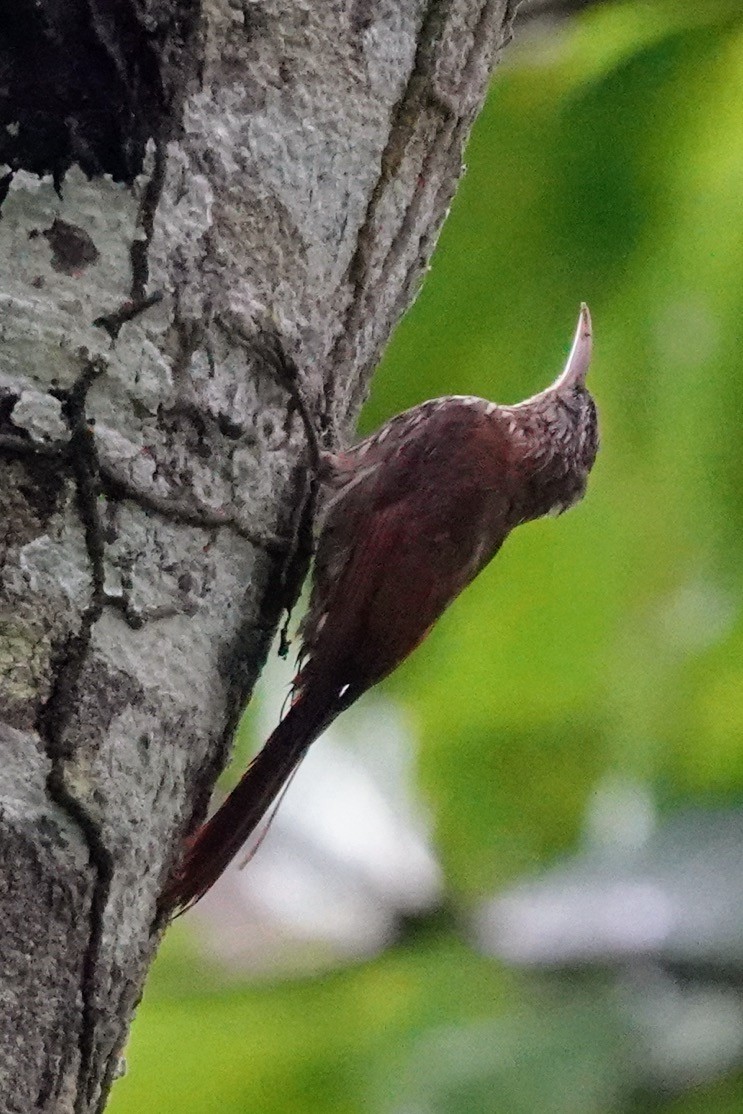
190 191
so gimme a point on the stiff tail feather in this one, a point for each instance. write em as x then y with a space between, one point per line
213 847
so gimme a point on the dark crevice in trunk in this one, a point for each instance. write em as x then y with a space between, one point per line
59 707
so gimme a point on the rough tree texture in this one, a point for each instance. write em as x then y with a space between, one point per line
279 172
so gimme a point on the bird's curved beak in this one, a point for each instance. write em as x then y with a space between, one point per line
574 374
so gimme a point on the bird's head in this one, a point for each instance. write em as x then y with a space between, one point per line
559 431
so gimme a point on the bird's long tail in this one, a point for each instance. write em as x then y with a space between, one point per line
211 849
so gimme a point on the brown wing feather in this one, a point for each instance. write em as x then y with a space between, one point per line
359 481
388 564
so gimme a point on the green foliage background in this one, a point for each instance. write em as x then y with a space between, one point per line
607 165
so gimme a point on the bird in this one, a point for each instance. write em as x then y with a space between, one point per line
408 517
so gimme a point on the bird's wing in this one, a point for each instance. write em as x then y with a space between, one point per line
344 600
357 482
394 550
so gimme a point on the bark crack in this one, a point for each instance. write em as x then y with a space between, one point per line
116 487
20 444
115 321
140 247
420 96
404 119
447 144
81 454
187 512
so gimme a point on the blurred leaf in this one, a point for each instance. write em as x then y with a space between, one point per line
315 1046
725 1098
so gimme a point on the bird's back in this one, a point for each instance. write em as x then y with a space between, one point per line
397 545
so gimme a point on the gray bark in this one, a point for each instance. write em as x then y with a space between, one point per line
279 172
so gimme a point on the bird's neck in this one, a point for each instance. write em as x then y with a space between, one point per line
546 456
